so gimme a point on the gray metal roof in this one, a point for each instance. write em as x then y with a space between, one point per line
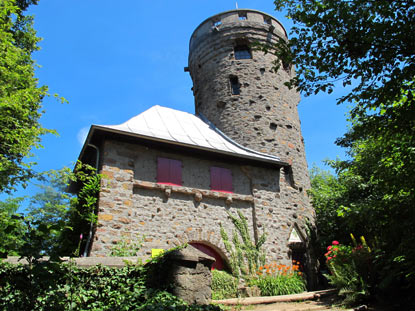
182 128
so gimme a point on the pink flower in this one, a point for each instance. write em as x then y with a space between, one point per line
329 248
328 258
81 236
335 243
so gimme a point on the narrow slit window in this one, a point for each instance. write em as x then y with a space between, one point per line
217 23
242 16
242 52
235 86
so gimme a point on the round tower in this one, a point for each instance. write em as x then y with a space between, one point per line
236 88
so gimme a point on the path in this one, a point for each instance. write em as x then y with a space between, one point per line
310 305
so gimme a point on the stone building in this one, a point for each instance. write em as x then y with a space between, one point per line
173 176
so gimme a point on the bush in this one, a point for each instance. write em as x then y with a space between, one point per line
275 280
49 286
350 270
224 285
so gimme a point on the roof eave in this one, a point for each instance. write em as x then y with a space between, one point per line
151 138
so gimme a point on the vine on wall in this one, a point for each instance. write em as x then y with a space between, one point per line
245 256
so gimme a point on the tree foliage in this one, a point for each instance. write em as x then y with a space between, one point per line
12 227
20 95
49 209
374 195
364 43
55 219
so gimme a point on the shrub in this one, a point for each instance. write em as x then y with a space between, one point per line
275 280
350 270
224 285
53 286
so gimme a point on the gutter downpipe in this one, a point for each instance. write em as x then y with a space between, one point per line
91 225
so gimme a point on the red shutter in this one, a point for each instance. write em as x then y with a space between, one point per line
163 170
215 183
221 179
176 172
226 179
169 171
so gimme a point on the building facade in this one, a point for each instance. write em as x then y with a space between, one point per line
172 177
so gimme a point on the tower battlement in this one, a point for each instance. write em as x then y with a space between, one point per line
240 17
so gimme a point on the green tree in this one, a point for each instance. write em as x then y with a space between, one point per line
327 194
20 95
50 208
12 227
54 220
364 43
37 231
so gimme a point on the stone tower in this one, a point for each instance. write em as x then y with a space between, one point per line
236 88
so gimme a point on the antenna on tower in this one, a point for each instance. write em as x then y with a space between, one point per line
236 4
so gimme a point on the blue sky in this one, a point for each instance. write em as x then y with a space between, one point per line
113 60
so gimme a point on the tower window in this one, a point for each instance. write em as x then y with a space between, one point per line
242 16
235 86
217 23
286 66
242 52
267 20
169 171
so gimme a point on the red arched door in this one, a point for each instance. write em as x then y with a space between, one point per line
218 264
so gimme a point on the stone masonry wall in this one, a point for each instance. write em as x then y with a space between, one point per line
131 202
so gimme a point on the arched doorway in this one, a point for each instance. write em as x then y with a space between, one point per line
219 263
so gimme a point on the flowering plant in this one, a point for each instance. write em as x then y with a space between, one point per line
278 279
350 269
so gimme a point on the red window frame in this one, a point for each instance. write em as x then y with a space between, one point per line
221 179
169 171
